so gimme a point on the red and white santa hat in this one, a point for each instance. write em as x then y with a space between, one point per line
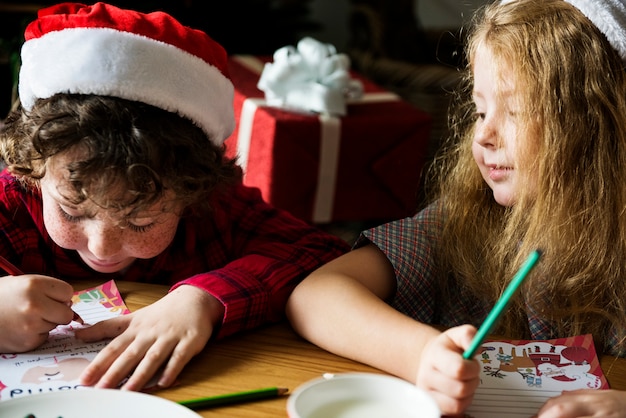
150 58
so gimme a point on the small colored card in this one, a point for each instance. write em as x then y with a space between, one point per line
518 377
57 364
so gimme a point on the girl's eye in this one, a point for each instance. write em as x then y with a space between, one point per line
479 116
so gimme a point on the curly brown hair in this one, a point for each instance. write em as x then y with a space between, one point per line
124 145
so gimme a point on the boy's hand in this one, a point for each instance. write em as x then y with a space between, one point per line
445 374
585 403
167 333
32 305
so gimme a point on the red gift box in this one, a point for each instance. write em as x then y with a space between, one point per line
363 166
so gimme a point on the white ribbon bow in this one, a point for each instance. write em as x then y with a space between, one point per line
312 77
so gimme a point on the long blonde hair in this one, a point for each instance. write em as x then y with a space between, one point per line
573 194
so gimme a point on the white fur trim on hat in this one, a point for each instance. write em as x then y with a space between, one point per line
110 62
610 17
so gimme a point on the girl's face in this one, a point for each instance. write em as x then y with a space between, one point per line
495 135
105 240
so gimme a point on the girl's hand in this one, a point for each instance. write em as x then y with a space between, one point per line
445 374
585 403
32 305
167 333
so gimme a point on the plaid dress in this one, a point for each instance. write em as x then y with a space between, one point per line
409 245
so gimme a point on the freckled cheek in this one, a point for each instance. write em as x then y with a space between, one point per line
151 244
65 234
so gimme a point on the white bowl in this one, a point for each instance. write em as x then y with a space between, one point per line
360 395
93 403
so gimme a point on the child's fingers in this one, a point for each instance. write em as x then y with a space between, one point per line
454 385
461 336
181 355
451 406
436 380
110 328
445 374
103 370
135 363
156 355
55 289
55 313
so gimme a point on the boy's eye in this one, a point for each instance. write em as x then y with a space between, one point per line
139 228
135 226
69 217
138 223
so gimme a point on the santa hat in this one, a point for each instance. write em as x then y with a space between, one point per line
150 58
610 17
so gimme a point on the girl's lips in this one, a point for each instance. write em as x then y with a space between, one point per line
497 173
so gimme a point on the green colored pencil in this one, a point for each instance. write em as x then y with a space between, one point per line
501 304
237 397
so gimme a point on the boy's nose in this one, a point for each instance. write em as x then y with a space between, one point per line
104 240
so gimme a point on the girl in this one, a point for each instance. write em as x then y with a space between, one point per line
116 170
539 161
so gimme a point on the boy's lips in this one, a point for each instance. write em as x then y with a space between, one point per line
104 263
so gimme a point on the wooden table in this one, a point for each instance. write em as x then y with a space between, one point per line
269 356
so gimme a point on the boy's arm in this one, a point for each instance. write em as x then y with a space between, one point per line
270 252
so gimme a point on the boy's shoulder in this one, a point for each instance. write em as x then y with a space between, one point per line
15 193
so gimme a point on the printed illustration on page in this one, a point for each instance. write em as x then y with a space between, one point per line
57 364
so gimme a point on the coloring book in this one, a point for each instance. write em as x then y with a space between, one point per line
517 377
57 364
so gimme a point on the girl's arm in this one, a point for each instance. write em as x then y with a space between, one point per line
341 307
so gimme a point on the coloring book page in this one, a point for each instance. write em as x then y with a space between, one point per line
57 364
517 377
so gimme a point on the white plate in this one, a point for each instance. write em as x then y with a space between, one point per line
93 403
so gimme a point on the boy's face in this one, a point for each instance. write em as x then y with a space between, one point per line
106 241
495 134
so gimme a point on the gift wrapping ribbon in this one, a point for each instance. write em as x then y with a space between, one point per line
311 77
330 142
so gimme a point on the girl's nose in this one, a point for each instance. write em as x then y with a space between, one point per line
485 133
